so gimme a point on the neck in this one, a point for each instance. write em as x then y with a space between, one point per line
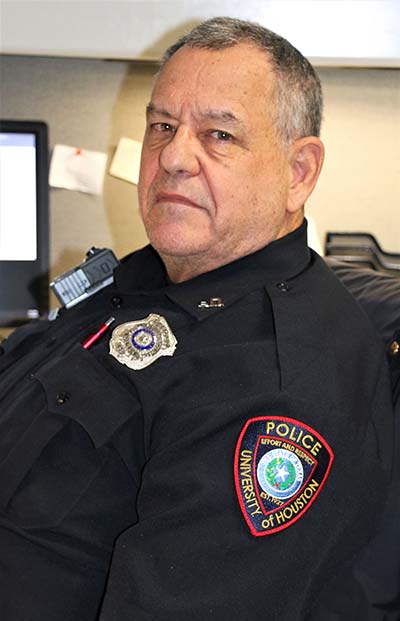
185 267
180 269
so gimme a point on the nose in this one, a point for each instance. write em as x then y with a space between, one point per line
180 155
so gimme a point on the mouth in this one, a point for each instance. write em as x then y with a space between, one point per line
166 197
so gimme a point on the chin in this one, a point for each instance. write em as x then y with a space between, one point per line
177 242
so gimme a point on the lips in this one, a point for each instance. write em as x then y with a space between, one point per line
167 197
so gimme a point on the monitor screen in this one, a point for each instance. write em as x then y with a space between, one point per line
23 221
18 201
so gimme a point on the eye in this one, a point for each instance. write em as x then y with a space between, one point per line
162 127
221 135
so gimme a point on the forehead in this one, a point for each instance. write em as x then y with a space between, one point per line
239 78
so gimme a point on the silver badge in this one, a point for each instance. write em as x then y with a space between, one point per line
139 343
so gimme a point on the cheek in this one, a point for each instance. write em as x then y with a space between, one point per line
148 171
149 163
232 194
225 185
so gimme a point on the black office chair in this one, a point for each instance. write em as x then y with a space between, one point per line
362 250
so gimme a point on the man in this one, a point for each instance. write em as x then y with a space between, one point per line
233 453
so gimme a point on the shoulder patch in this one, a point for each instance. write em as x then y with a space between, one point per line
281 465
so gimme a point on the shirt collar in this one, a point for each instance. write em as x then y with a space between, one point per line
282 259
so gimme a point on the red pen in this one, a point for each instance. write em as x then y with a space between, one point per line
87 343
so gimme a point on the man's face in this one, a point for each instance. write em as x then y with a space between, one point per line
214 175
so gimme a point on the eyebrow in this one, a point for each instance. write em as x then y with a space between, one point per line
152 109
222 115
210 113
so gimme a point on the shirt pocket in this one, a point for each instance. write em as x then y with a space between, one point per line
67 444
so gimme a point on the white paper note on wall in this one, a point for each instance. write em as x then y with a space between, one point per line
126 161
77 169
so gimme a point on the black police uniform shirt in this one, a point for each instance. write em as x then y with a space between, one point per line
157 471
379 295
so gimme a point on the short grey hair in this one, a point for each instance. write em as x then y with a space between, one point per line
298 93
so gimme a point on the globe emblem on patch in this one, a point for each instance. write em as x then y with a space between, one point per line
280 473
143 339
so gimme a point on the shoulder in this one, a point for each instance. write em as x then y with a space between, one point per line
332 299
378 293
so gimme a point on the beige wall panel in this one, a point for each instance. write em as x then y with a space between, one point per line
359 189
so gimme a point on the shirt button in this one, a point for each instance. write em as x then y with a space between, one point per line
394 349
116 301
283 286
62 398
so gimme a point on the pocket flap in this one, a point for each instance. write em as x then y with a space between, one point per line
79 387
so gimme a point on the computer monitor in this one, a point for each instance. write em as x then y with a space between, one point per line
24 238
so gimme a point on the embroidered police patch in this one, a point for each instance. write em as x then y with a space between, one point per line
281 466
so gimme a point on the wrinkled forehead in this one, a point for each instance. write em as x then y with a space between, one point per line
241 73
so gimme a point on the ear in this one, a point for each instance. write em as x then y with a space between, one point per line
306 157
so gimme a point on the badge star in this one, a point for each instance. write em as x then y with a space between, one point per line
282 473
